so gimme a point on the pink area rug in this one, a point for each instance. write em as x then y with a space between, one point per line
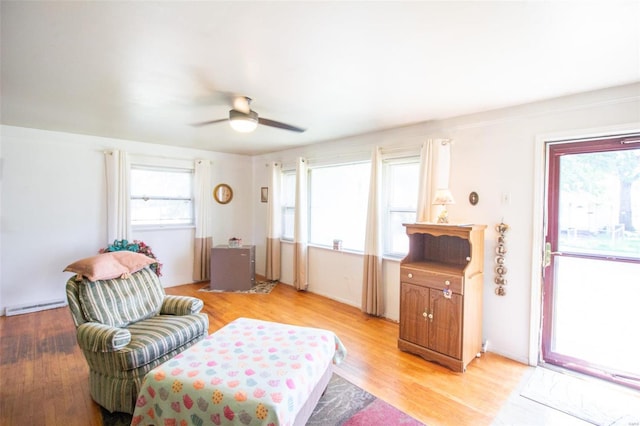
345 404
380 413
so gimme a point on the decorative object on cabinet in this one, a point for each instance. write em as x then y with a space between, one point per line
501 250
443 197
233 268
441 282
223 193
474 198
264 194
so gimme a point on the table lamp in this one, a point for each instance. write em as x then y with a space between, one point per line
443 197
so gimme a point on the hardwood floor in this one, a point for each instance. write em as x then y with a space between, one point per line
44 377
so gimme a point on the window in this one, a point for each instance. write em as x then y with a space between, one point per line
338 198
400 188
288 189
161 196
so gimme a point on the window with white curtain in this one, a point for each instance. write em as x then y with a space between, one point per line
288 202
400 195
338 197
161 196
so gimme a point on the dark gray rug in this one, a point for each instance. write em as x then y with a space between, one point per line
261 287
343 403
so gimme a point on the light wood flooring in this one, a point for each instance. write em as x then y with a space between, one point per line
44 377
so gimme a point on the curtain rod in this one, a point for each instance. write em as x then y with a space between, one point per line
163 157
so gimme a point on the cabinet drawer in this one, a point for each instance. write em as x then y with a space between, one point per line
431 279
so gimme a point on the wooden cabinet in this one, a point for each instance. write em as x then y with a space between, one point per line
232 268
441 282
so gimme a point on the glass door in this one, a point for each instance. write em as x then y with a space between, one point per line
591 293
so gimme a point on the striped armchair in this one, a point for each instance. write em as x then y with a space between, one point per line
127 326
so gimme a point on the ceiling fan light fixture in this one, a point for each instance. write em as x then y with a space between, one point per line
243 123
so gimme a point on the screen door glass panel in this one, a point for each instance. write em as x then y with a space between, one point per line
596 305
592 279
599 206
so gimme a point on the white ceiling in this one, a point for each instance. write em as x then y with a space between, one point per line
144 71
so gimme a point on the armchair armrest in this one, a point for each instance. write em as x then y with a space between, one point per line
96 337
181 305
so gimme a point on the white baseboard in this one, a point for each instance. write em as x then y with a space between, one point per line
34 307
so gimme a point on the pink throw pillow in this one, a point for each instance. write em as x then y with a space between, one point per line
110 265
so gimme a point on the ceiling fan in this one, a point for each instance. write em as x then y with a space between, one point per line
245 120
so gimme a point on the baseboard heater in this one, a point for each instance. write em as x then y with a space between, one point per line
25 309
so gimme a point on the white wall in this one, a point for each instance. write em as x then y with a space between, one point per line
493 153
54 210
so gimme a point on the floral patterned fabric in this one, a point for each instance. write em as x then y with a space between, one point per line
249 372
137 247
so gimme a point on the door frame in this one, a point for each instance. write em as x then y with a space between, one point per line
539 225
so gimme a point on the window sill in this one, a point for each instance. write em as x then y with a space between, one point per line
392 258
389 258
145 228
330 248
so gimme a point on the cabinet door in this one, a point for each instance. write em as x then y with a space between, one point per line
414 323
445 331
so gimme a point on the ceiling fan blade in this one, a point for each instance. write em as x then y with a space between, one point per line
279 125
214 97
205 123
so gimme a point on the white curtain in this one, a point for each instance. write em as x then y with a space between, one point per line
300 281
202 204
434 174
274 231
372 290
118 210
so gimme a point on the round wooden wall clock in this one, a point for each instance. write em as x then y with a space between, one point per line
223 193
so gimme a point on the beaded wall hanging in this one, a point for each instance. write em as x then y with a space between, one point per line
501 250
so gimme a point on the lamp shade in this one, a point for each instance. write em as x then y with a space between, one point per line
241 122
443 197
